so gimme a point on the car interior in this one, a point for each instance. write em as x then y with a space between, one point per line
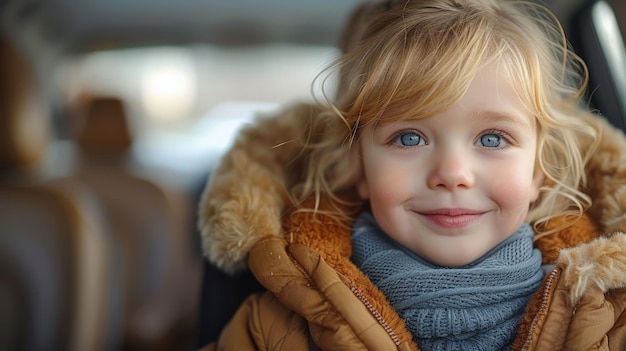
113 115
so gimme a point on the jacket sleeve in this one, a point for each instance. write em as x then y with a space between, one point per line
586 309
594 280
262 323
598 323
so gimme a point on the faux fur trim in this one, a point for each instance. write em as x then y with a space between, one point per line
246 194
241 205
572 233
600 264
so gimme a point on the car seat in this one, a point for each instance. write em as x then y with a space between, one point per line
58 282
596 36
159 277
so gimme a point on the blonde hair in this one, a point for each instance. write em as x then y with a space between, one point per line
413 59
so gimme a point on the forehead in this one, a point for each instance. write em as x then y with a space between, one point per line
494 88
492 93
500 94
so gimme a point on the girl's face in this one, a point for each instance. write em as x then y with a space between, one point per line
453 186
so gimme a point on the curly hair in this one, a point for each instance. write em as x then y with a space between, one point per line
412 59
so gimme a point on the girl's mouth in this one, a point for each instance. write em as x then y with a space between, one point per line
452 218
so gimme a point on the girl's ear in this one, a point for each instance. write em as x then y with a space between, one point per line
537 182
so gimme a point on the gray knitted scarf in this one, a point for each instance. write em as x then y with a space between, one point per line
474 307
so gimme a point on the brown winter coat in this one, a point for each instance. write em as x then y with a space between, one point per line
317 296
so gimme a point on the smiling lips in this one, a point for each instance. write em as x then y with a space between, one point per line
452 218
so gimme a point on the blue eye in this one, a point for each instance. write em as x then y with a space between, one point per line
410 139
490 140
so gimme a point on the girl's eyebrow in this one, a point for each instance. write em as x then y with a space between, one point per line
519 120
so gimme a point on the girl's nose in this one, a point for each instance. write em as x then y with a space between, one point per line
451 171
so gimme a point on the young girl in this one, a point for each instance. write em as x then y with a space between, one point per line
455 195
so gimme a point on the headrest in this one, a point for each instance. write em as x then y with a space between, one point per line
24 127
104 126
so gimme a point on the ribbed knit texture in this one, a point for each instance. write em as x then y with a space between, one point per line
474 307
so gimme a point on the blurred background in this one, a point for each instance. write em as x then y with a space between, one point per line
113 114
